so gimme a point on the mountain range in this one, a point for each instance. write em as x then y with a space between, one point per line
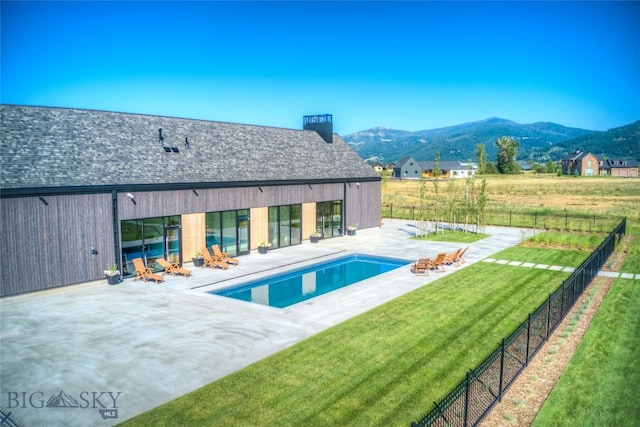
539 141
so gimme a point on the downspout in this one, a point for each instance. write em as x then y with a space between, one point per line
116 232
344 209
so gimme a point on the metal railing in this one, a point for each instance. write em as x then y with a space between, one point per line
471 400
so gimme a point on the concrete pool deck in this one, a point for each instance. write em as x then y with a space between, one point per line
100 354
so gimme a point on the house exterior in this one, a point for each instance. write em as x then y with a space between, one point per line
378 167
83 189
579 163
407 168
410 168
619 168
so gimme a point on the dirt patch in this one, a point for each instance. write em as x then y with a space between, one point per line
521 403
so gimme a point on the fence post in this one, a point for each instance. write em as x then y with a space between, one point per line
528 335
566 220
509 217
535 220
391 211
466 400
501 372
548 318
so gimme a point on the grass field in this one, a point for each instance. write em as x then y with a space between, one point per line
600 387
384 367
587 195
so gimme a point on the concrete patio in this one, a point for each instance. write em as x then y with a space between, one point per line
99 354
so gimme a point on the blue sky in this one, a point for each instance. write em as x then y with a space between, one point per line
403 65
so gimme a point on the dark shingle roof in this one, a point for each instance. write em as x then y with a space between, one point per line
61 147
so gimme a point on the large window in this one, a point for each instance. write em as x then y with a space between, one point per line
150 239
229 230
329 218
285 225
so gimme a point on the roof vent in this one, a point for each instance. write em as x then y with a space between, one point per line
322 124
175 149
167 149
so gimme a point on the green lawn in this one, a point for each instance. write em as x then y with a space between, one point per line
562 257
384 367
452 236
601 385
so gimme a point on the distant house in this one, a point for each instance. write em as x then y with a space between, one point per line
579 163
407 168
378 167
410 168
623 168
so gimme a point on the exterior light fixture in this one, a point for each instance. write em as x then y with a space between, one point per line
130 196
94 251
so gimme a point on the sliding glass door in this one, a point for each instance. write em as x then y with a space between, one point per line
150 239
329 218
229 230
285 225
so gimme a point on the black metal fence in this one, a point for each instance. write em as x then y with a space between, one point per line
471 400
547 220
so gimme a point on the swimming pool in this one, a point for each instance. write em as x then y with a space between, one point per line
302 284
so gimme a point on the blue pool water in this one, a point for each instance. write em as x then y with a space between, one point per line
299 285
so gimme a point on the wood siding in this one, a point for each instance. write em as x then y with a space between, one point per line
258 226
193 235
49 245
165 203
308 220
363 204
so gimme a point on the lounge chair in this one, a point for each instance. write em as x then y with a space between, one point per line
422 267
450 259
212 262
173 268
439 262
145 273
223 256
459 260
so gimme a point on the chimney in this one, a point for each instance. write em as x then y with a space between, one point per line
322 124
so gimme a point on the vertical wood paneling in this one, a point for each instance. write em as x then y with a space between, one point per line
308 220
258 227
59 235
46 246
179 202
193 234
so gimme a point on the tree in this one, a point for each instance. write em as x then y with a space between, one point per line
481 155
436 183
507 151
482 204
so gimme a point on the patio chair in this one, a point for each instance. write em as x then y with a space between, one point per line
173 268
422 267
212 262
145 273
459 260
439 262
450 259
223 256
